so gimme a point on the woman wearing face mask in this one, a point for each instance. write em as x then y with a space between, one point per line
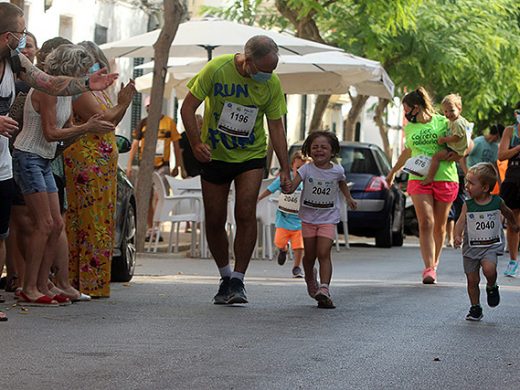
509 149
90 173
432 202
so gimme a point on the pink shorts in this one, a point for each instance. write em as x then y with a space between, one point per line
442 191
327 230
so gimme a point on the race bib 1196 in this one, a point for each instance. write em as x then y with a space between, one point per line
237 120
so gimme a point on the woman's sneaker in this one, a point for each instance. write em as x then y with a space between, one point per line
512 268
429 276
493 296
475 313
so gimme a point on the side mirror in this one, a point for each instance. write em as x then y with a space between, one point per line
402 177
123 144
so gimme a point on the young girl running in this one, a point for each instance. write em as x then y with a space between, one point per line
319 210
483 235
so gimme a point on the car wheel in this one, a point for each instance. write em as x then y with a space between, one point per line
398 237
123 266
384 236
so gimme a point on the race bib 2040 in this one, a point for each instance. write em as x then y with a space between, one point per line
483 228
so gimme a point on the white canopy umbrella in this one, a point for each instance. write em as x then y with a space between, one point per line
317 73
207 38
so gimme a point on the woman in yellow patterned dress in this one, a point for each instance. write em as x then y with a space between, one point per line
91 177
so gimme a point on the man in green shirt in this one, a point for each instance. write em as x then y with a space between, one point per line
238 90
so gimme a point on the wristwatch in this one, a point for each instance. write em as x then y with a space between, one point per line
87 83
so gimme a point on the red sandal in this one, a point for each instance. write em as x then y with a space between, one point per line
44 300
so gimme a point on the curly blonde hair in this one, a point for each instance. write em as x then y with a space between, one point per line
485 173
452 98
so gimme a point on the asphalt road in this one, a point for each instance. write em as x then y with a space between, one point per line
161 331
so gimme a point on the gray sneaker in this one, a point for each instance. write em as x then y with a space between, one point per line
297 272
223 292
237 292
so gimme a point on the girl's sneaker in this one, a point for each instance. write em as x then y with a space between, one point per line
512 268
475 313
312 283
323 298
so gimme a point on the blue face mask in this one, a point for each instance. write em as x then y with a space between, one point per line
94 68
261 77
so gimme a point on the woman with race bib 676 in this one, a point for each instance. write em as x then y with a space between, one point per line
433 201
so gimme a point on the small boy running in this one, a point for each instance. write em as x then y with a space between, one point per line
288 225
457 140
481 226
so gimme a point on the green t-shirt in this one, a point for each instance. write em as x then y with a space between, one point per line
421 139
219 82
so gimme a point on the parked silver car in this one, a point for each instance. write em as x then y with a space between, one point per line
124 255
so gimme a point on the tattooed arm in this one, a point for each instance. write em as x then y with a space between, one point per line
62 85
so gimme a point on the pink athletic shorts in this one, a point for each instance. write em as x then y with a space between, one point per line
442 191
327 230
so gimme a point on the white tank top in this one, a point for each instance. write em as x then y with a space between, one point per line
31 138
7 95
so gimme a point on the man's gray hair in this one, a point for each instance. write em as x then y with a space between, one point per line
259 46
68 60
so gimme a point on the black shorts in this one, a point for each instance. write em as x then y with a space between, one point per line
510 192
18 199
221 172
6 200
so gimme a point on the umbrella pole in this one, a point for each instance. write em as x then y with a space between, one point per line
209 49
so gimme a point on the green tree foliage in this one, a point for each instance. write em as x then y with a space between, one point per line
465 46
468 47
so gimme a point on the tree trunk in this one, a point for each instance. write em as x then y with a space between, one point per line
319 109
173 13
383 129
358 103
306 28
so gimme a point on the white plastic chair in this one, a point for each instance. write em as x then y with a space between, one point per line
175 209
191 186
266 217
